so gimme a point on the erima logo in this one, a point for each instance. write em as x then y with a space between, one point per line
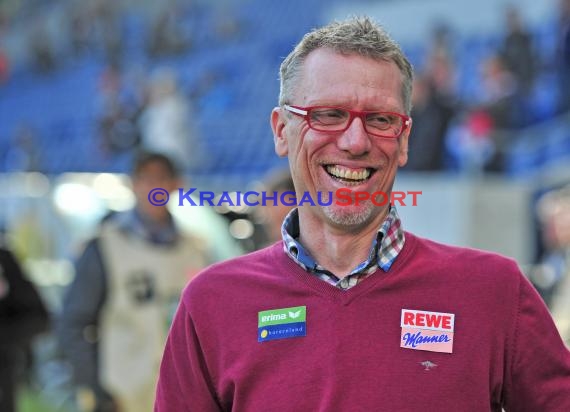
273 317
294 315
280 316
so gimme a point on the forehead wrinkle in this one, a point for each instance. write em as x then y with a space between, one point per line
381 103
367 93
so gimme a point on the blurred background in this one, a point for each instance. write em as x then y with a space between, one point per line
84 85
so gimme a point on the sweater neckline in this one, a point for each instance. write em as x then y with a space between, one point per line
343 297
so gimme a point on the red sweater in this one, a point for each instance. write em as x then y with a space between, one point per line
506 350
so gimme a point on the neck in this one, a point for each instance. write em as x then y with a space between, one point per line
154 220
337 249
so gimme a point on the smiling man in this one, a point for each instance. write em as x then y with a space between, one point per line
346 132
349 312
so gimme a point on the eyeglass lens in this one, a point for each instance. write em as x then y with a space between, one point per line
335 119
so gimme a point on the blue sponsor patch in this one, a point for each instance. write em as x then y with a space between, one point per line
282 331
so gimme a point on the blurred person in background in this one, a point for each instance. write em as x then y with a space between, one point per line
440 68
564 55
477 140
96 28
434 104
4 63
500 94
106 26
41 48
166 123
469 141
272 216
168 37
23 315
24 154
552 275
432 113
120 104
118 308
517 51
340 315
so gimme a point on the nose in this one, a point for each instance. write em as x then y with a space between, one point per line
355 139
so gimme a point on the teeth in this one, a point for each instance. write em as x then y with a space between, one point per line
344 173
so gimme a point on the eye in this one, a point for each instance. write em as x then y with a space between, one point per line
382 120
329 116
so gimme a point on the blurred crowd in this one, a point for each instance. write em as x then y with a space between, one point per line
473 133
551 275
143 105
139 103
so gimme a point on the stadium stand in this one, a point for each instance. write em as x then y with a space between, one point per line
230 71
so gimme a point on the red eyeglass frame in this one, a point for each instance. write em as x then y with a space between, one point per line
304 113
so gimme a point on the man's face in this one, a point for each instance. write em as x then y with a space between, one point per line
317 159
153 175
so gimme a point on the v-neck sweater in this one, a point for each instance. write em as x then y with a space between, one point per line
506 353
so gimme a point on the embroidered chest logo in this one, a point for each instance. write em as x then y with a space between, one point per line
429 331
428 365
282 323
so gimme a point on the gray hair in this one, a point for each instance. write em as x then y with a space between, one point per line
358 35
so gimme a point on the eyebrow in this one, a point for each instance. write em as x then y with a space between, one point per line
376 109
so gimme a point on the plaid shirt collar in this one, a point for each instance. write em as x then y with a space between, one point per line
383 251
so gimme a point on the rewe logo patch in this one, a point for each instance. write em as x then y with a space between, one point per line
282 323
430 331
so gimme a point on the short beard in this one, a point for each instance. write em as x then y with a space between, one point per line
348 218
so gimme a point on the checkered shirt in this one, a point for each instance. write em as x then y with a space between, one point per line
383 251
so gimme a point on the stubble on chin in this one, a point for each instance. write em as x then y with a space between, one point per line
345 217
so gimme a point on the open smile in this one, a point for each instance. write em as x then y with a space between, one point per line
349 176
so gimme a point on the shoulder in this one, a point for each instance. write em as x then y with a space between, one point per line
245 266
193 242
90 249
114 221
464 262
5 254
456 254
476 283
8 263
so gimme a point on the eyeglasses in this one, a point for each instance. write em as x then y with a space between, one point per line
338 119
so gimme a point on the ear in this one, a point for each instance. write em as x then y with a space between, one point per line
278 127
403 141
